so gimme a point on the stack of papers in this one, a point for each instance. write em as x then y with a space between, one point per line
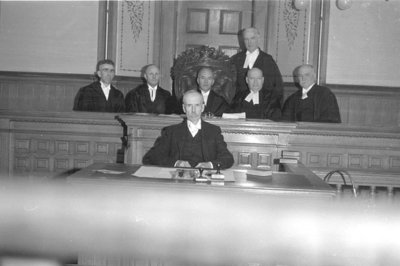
234 115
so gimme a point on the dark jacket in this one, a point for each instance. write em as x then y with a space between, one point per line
138 101
92 99
168 147
272 76
216 104
268 107
325 105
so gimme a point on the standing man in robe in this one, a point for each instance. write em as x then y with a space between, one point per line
149 97
192 143
215 105
312 103
255 57
100 96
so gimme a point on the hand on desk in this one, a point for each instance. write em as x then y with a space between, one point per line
181 163
205 165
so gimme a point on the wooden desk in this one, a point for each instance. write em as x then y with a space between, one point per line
199 210
282 183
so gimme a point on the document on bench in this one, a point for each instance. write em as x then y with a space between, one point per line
155 172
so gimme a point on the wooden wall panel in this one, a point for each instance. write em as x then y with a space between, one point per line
48 92
198 20
43 147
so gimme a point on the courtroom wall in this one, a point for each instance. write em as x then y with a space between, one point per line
49 36
364 44
48 55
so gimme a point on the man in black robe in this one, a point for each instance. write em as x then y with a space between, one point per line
149 97
312 103
253 56
254 101
100 96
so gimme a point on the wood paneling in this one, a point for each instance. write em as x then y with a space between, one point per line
211 23
40 145
48 92
359 105
197 20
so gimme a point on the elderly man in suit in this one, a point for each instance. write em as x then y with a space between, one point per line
312 103
149 97
100 96
253 56
192 143
215 105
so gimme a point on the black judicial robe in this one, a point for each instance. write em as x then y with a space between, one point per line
272 76
320 99
138 101
268 107
92 99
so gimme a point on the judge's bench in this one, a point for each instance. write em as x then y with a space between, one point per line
39 145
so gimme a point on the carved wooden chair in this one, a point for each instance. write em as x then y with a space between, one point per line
188 63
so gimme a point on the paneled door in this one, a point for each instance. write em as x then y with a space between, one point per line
212 23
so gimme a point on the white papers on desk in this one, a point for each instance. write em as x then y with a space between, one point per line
234 115
228 173
109 172
154 172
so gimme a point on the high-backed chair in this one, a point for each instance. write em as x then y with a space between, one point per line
188 63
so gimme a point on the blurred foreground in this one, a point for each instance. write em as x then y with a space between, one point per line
193 227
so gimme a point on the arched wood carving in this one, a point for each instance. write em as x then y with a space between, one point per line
188 63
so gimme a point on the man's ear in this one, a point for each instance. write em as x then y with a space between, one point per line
202 107
184 108
98 73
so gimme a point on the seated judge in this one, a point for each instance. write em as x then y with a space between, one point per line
192 143
311 103
101 96
149 97
214 104
254 101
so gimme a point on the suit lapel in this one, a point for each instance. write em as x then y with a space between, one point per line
181 135
203 141
99 90
210 100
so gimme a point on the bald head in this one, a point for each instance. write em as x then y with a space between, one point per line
152 75
305 75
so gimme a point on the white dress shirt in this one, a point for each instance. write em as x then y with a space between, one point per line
152 91
253 96
205 96
305 91
194 128
251 58
106 89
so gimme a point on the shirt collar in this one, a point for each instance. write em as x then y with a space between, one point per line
103 85
306 90
255 52
192 125
205 93
152 88
253 96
